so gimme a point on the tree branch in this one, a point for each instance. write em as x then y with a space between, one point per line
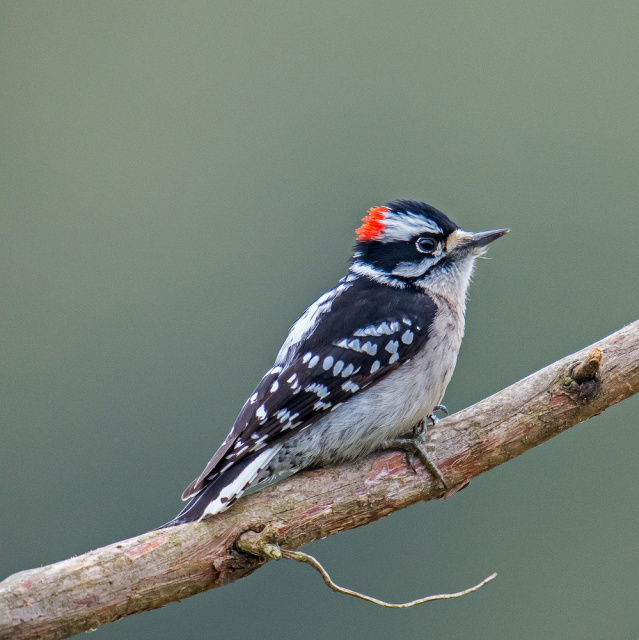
150 570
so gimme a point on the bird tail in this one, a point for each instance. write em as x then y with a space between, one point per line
223 490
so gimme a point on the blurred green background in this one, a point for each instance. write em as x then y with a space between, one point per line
180 180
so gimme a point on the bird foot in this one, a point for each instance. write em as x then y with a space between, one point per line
416 446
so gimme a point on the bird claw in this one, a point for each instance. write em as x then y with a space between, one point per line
416 445
441 408
431 420
410 454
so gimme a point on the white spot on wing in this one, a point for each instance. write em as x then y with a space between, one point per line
348 370
328 363
261 412
393 358
384 329
407 336
319 389
339 365
275 386
307 356
392 346
370 348
253 398
313 362
351 386
293 381
375 366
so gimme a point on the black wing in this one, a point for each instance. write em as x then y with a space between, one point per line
370 330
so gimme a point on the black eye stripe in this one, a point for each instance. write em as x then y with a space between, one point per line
387 256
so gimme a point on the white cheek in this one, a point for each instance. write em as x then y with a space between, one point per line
416 269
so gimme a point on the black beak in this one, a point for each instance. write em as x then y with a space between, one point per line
483 238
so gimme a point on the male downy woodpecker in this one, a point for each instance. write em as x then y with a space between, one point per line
366 363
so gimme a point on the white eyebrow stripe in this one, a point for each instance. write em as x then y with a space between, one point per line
404 226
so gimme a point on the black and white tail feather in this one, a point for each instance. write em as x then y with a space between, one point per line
221 491
365 363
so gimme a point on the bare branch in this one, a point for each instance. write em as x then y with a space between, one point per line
149 571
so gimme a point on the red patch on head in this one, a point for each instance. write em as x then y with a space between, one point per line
373 226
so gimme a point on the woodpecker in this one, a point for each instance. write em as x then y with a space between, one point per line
365 367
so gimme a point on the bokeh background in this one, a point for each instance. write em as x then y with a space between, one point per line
181 179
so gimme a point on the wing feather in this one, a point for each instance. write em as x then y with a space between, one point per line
368 334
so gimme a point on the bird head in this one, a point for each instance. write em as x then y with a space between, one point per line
407 242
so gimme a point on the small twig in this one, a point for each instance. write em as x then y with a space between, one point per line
304 557
274 552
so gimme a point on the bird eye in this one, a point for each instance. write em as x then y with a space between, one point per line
426 245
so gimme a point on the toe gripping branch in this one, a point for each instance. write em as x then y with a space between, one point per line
416 444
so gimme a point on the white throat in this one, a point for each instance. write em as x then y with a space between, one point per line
451 284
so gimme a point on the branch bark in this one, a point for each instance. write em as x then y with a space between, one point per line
158 567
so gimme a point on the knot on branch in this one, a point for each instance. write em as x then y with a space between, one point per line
263 544
588 371
582 381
